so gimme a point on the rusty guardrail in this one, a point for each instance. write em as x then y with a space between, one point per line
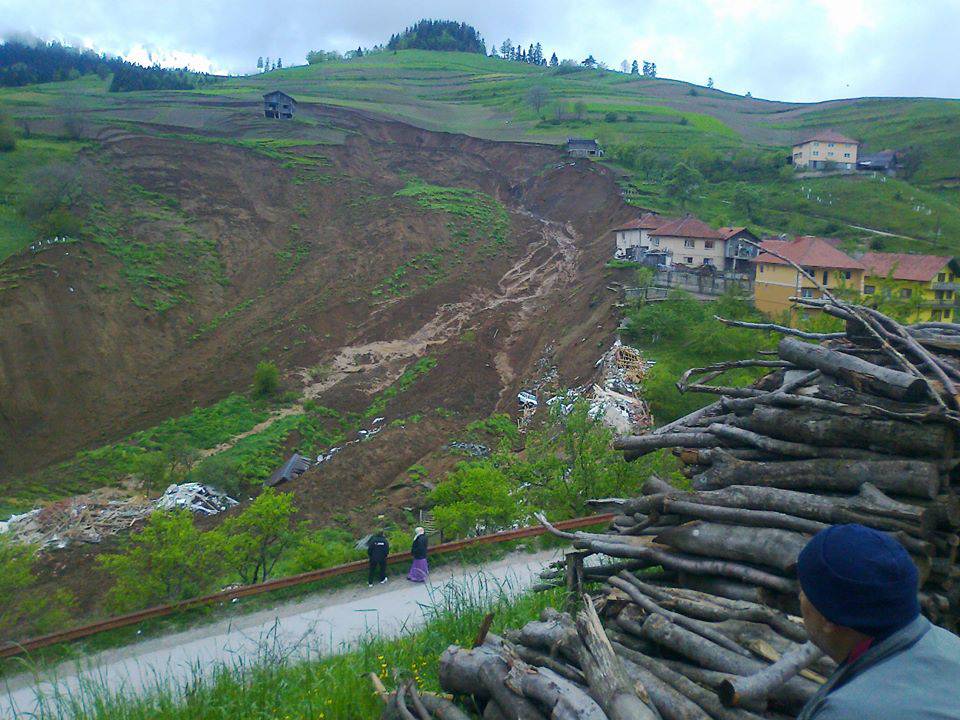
133 618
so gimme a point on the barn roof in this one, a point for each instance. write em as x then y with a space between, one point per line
279 93
582 142
905 266
647 221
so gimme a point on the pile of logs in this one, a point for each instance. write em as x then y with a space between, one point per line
696 615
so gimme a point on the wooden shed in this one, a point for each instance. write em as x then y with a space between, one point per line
278 105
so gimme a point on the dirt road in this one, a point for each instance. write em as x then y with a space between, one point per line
322 624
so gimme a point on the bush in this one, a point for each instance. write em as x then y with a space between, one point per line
266 379
59 222
220 472
475 498
8 141
323 549
610 117
22 610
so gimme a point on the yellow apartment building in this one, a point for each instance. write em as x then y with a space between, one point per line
919 288
776 280
826 149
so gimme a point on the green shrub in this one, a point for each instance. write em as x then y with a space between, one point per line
266 379
8 140
23 611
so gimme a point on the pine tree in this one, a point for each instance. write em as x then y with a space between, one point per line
538 54
260 63
653 69
553 60
506 49
280 63
634 69
266 64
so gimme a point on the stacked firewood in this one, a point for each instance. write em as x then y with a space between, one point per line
697 609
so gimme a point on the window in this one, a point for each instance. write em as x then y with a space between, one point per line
831 154
868 289
847 275
708 244
938 294
688 260
826 277
829 144
936 315
690 243
806 292
816 144
654 242
906 293
948 294
946 313
816 152
942 277
761 268
846 155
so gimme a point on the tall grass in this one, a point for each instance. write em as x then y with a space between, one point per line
299 682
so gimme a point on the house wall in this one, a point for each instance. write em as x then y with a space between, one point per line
937 300
774 285
818 151
628 239
698 253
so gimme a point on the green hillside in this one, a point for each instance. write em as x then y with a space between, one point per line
646 124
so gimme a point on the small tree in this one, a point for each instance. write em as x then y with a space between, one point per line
624 66
266 379
280 63
260 60
537 97
682 181
634 68
747 200
554 62
167 561
589 61
8 140
253 541
474 498
506 49
23 610
580 108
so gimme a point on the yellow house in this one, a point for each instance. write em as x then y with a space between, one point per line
921 287
826 149
776 280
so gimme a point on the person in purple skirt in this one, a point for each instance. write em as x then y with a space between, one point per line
419 570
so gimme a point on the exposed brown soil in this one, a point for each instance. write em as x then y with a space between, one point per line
83 367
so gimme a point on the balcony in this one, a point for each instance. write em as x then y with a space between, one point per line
945 286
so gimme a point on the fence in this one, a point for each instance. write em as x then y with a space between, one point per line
703 283
133 618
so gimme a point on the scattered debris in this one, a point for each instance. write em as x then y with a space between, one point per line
473 449
323 457
291 470
196 498
623 413
527 399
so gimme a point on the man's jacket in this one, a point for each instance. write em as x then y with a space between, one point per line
378 548
913 674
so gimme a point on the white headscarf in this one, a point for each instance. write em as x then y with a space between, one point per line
418 532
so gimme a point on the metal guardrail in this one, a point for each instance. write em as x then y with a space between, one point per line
133 618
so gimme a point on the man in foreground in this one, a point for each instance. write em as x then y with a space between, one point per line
859 603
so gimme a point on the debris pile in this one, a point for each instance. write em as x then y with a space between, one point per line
472 449
84 518
861 428
617 401
196 498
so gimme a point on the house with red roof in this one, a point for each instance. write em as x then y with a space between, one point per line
690 242
825 150
636 233
740 248
921 287
777 278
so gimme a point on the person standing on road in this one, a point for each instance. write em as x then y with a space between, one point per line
420 569
378 548
858 596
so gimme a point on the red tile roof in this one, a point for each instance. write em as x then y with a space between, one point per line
827 136
647 221
903 266
728 232
687 227
807 251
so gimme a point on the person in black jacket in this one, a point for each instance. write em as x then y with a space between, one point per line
419 570
377 550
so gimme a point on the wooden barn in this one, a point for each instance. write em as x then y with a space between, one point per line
278 105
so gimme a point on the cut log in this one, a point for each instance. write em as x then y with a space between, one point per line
757 545
885 436
482 672
658 629
638 445
670 703
609 683
858 373
734 435
740 516
560 697
707 700
650 606
903 477
760 685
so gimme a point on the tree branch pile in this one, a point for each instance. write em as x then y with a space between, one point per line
696 610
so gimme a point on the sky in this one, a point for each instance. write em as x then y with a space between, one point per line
797 50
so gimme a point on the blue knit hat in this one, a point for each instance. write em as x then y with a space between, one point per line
859 578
